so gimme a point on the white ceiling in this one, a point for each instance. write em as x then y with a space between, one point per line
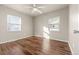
47 8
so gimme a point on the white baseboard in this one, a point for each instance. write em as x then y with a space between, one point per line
13 39
59 39
53 38
8 41
70 47
29 36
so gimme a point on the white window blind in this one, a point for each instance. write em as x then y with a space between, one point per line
54 24
14 23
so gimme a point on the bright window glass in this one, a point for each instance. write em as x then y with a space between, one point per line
54 24
14 23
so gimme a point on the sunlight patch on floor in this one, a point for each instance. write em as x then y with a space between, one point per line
46 39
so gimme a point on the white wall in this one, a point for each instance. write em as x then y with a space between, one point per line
33 26
73 37
11 36
42 20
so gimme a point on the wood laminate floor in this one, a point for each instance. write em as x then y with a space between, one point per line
35 46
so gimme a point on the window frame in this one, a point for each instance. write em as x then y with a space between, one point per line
9 24
53 29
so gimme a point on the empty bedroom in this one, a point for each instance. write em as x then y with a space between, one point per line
38 29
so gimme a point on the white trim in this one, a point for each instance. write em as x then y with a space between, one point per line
34 35
14 40
8 41
53 38
59 39
70 48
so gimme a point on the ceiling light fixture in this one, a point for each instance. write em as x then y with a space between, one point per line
36 8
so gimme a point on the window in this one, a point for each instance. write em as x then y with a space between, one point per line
54 24
14 23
